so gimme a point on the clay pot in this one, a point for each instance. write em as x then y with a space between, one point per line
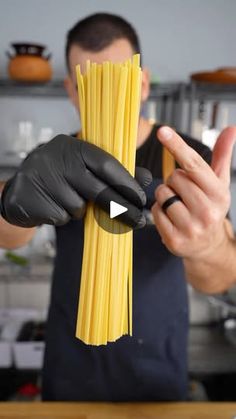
29 64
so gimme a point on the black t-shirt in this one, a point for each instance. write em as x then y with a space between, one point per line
150 365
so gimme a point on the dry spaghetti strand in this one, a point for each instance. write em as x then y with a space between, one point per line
109 99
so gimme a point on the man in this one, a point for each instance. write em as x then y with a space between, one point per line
192 240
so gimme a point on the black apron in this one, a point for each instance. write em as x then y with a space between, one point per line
151 365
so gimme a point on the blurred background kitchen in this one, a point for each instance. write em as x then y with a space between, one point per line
189 47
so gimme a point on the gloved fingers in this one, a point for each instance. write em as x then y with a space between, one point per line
32 208
105 167
93 189
143 176
52 185
133 217
63 194
69 199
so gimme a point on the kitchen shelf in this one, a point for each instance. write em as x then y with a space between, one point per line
170 96
51 89
56 88
213 91
204 91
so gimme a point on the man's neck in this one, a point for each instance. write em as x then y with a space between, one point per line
144 130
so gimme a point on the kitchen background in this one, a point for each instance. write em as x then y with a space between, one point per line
178 38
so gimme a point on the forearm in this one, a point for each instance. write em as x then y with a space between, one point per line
12 236
216 271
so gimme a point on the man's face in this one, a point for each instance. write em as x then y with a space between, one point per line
119 51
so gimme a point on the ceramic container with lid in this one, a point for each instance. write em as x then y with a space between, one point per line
29 63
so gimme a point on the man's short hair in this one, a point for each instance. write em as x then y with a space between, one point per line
98 31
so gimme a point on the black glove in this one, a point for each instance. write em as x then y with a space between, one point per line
56 179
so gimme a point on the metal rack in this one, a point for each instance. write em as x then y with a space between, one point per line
54 89
167 98
202 91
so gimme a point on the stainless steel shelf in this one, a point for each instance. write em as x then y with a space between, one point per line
169 97
56 88
213 91
53 89
202 91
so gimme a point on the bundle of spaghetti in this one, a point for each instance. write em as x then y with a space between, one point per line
109 100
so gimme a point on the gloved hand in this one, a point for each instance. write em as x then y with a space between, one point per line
56 179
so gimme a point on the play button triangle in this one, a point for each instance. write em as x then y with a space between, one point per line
116 209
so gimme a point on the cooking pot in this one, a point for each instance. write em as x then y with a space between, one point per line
29 64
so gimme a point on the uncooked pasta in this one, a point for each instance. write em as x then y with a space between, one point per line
109 100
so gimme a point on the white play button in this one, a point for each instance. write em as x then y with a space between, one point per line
116 209
116 218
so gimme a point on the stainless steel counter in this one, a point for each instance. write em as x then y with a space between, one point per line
210 351
37 269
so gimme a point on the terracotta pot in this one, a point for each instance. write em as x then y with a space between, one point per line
28 64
